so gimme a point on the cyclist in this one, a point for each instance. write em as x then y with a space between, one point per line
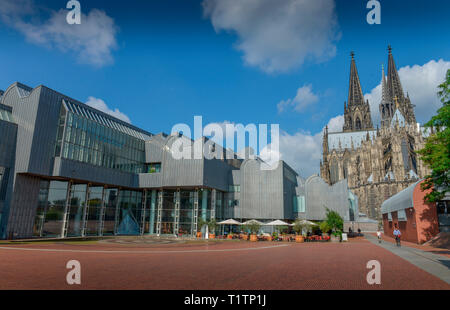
379 235
397 235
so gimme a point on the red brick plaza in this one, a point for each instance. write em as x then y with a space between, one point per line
209 265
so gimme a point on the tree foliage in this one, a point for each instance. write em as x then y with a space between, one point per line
253 227
335 221
436 153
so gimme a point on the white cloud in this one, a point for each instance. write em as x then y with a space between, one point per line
277 36
336 124
100 105
92 41
304 98
421 82
303 150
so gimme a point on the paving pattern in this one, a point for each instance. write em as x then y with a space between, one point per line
209 265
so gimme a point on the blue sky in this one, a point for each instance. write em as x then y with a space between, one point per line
166 62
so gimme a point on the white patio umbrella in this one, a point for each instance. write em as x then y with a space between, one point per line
229 222
253 222
278 223
305 222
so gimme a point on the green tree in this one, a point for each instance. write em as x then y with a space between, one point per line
300 225
436 153
334 221
200 223
324 227
253 227
212 224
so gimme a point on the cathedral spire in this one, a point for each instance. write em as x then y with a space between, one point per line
357 112
386 106
384 88
325 143
394 85
355 94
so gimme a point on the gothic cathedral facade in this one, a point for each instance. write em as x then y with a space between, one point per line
377 162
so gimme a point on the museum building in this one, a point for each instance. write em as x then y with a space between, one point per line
69 170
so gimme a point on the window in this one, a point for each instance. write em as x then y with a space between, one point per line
153 168
234 188
390 217
91 142
299 204
401 215
443 207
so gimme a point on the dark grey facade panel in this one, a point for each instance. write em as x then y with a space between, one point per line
216 174
74 170
23 207
7 159
262 195
24 113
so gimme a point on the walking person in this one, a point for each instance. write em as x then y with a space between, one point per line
379 235
397 235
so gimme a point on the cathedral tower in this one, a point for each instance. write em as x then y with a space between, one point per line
356 111
394 97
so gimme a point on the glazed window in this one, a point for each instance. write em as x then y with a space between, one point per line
153 168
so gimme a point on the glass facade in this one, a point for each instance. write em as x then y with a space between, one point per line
111 207
130 211
76 210
53 197
168 212
93 143
67 209
186 213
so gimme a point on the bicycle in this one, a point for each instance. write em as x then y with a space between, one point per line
397 240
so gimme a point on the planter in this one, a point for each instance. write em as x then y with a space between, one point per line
230 236
253 238
212 236
199 234
269 238
334 238
299 239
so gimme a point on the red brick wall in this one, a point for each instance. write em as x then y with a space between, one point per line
422 221
425 216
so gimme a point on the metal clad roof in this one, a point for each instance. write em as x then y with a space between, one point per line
400 201
346 138
105 120
24 91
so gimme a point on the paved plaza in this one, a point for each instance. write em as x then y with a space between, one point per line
138 264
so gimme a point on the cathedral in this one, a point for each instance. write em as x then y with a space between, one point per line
377 162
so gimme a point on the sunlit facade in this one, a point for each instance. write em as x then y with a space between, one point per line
68 170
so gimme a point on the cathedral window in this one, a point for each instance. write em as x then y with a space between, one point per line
358 124
334 175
